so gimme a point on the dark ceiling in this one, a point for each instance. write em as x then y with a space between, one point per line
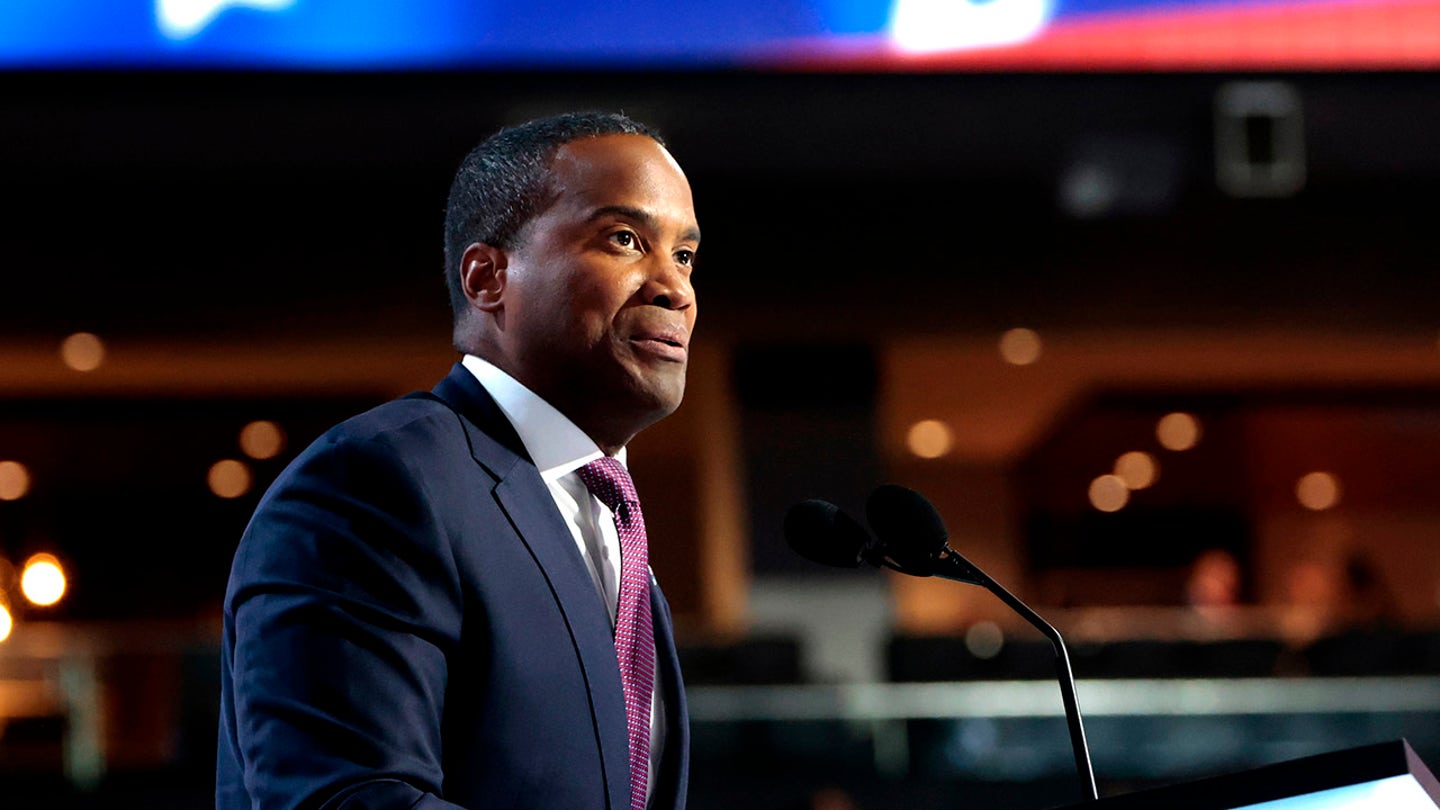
181 204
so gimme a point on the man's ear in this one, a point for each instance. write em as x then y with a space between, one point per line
482 276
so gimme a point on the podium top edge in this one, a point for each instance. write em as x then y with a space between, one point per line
1282 780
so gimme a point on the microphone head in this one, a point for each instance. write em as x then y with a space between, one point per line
908 525
818 531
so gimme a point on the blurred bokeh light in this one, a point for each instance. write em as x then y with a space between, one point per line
14 480
984 639
930 438
82 351
1020 346
1178 431
1108 493
262 439
1318 491
229 478
1137 469
43 580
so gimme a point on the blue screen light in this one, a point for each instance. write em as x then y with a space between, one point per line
783 34
182 19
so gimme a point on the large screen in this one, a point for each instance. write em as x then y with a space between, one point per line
798 35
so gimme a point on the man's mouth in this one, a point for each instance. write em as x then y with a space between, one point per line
665 345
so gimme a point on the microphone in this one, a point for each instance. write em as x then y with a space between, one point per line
818 531
910 537
910 530
821 532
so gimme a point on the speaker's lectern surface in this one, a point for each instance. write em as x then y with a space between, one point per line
1386 776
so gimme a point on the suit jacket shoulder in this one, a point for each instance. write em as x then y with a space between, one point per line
409 622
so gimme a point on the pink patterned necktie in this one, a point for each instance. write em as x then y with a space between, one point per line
608 480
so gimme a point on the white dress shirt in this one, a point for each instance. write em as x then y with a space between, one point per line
559 449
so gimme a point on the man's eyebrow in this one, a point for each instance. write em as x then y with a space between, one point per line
641 216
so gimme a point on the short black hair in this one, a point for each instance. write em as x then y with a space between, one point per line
505 181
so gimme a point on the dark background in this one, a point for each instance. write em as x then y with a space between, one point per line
186 204
839 209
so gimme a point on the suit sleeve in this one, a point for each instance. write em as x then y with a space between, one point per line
343 601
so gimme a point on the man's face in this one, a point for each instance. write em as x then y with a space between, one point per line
597 307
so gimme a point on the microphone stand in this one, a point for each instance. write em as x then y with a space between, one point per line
950 565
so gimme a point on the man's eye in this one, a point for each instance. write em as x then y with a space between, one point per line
685 257
625 239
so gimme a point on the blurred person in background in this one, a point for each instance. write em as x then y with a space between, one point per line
1214 590
1311 600
1214 581
445 602
1371 604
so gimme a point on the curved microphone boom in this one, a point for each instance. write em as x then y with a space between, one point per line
910 530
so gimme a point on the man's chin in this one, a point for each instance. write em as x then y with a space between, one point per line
664 403
658 397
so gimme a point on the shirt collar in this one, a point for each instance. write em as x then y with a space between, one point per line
557 445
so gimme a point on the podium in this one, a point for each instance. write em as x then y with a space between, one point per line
1384 776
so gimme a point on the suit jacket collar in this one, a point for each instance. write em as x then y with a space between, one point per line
493 441
522 495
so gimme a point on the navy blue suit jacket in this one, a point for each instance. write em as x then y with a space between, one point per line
409 623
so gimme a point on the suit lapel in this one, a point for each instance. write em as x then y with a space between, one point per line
523 496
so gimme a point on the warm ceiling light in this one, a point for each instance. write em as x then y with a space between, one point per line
1020 347
43 580
1137 469
229 478
929 438
1108 493
1178 431
82 351
1318 491
14 480
7 622
262 440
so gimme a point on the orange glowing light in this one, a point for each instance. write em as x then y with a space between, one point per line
1108 493
14 480
1178 431
7 622
82 351
43 580
229 478
930 438
262 439
1020 347
1318 491
1137 469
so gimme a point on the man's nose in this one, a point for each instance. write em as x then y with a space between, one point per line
670 288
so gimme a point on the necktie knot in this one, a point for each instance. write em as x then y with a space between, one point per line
608 480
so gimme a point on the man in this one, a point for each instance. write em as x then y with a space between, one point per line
430 608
